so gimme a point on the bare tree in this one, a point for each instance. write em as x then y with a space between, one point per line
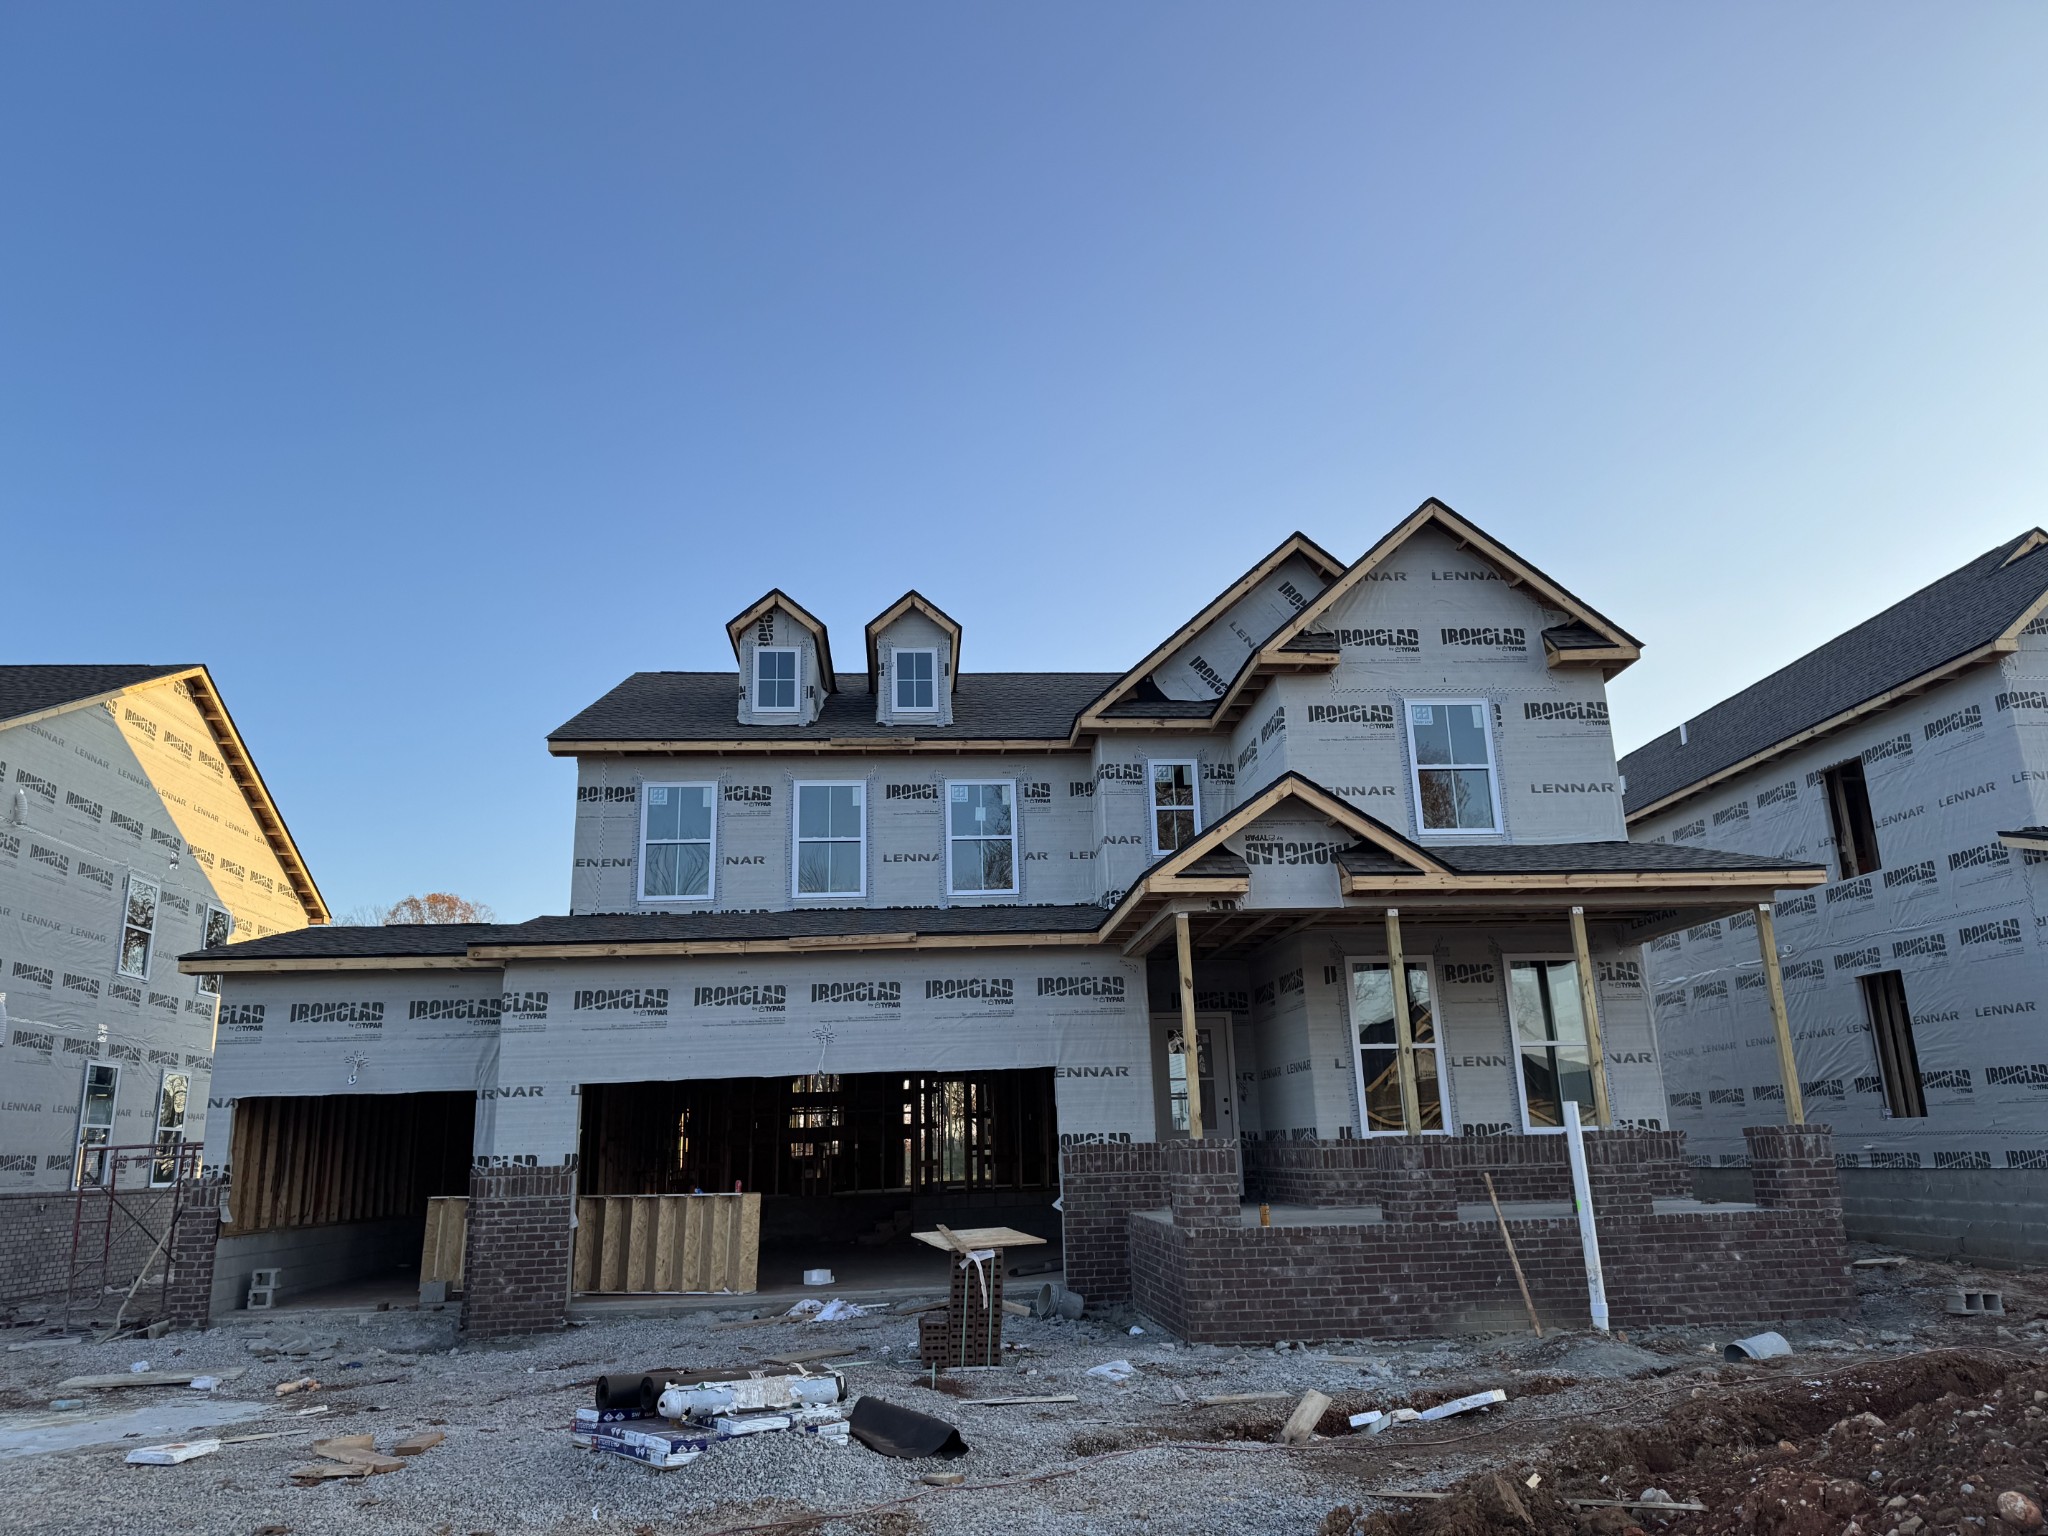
439 907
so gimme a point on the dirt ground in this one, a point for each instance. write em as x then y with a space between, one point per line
1899 1418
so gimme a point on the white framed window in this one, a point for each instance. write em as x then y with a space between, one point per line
981 837
95 1124
917 681
678 841
216 927
170 1127
1375 1050
831 839
1176 804
1450 758
138 927
775 678
1553 1063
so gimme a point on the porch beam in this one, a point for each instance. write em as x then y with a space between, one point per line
1190 1042
1404 1038
1246 933
1589 1005
1781 1026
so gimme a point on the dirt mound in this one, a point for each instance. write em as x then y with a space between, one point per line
1920 1446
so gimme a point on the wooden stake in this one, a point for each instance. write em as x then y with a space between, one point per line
1589 1004
1190 1041
1302 1422
1404 1036
1788 1063
1508 1238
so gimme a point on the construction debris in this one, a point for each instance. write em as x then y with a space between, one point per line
1758 1346
171 1455
1301 1423
1967 1302
1459 1405
134 1378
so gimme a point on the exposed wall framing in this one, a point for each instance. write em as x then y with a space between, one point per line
305 1162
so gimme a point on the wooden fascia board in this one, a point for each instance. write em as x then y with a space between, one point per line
1662 885
1296 543
1500 907
265 967
1466 534
2030 541
249 779
2021 840
777 598
808 944
1201 885
1290 787
895 611
854 745
1602 656
2005 644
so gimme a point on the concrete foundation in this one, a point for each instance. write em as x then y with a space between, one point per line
1995 1216
313 1258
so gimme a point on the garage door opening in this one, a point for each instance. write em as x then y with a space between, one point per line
333 1192
847 1164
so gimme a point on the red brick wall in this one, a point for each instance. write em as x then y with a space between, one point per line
1099 1188
516 1272
1347 1173
188 1297
1250 1284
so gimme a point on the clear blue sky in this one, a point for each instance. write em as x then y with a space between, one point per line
425 370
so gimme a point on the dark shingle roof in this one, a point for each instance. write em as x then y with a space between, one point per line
704 706
1964 610
1612 858
30 690
413 941
1312 640
396 941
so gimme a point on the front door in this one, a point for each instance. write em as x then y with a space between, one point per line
1170 1075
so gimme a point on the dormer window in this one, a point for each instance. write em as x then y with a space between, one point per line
917 681
775 669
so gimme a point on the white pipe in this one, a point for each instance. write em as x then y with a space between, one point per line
1582 1193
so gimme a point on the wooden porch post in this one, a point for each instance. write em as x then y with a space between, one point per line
1589 1004
1788 1064
1404 1036
1190 1041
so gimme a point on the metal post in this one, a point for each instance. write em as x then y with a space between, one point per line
1589 1004
1404 1036
1589 1239
1190 1041
1788 1064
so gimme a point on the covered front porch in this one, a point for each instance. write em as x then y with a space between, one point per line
1389 1037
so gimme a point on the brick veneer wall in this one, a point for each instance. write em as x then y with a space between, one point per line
35 1242
1349 1172
188 1295
1406 1277
1099 1188
516 1269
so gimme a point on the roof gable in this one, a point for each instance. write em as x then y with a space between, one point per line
777 598
909 602
1590 636
1139 677
32 693
1295 792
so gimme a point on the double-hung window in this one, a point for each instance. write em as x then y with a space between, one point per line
917 681
678 841
215 931
775 670
831 839
981 838
95 1124
138 927
1450 750
1378 1045
1554 1060
1176 805
170 1128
